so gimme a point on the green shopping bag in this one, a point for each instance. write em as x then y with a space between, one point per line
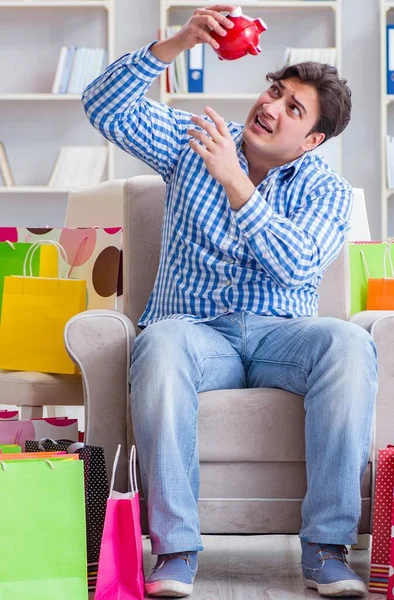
42 530
374 256
12 256
10 448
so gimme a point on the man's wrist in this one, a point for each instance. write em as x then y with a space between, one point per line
239 190
167 50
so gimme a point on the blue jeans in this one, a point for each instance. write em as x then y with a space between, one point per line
332 363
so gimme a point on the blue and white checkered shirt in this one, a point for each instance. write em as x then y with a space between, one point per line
268 257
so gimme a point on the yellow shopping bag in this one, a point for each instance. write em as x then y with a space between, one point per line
35 311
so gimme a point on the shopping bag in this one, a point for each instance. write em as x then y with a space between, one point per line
93 254
41 455
42 524
9 415
120 573
34 314
368 262
12 257
390 586
96 493
381 523
380 293
17 432
9 448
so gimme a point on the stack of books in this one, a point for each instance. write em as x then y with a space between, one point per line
322 55
77 67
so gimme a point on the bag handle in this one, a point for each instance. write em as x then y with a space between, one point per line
61 252
387 254
365 265
33 249
48 439
132 470
49 463
84 239
114 467
17 436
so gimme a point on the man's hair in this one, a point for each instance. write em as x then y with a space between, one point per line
334 94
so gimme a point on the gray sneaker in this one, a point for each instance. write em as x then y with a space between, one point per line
173 575
325 569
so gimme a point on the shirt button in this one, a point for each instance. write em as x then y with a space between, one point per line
236 238
228 282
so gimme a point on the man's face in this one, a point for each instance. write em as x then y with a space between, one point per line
279 122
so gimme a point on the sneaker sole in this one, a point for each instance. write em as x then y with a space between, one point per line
338 588
169 588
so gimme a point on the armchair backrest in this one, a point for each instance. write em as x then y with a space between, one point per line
144 197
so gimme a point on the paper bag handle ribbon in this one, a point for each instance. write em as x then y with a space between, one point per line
386 255
132 470
33 249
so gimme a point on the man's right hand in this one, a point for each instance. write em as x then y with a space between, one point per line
197 30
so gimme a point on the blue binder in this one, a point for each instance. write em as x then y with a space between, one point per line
390 59
195 74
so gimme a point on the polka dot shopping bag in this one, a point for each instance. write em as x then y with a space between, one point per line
92 253
381 579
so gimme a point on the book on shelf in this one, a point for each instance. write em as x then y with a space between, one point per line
186 73
78 166
78 66
390 58
390 161
299 55
5 168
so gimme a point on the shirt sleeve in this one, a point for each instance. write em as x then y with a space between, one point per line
116 106
295 250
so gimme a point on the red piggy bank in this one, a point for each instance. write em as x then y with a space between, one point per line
242 39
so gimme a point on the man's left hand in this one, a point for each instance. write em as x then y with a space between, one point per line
217 147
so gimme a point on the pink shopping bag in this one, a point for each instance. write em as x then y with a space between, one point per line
18 432
9 415
120 571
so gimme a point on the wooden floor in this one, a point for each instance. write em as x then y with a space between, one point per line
263 567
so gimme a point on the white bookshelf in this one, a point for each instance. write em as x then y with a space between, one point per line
34 123
386 117
31 189
293 23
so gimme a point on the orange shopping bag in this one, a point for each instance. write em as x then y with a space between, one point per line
35 455
380 292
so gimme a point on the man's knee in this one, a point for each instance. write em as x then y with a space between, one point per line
348 341
164 336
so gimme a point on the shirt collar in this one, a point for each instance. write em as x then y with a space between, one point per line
287 171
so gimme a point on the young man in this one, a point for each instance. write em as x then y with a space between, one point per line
252 220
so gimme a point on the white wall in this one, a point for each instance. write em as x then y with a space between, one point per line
33 132
138 22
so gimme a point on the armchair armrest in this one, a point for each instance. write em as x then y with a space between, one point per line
380 324
100 343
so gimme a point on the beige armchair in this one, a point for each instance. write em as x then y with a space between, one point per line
251 442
